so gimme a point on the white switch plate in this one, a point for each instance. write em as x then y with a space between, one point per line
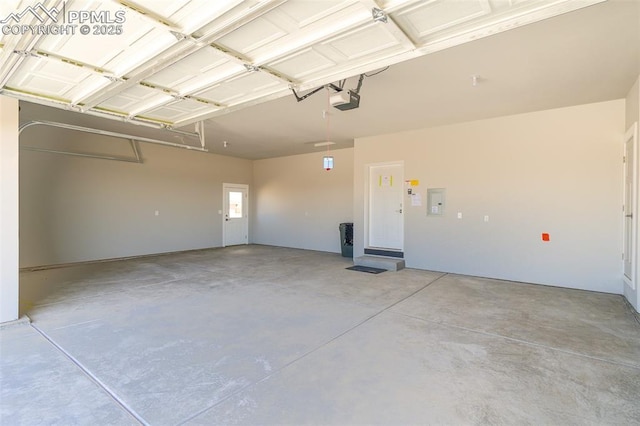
459 215
486 218
219 211
157 212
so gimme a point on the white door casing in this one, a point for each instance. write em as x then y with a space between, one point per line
385 224
235 214
630 219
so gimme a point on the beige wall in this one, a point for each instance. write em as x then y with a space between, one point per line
76 209
557 172
299 204
633 116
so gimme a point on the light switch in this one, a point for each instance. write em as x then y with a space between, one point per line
486 218
157 213
459 215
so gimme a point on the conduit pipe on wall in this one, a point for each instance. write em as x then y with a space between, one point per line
132 139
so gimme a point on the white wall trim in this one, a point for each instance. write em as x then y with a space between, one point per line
9 211
632 134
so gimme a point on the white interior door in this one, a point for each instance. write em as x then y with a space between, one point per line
235 225
630 219
386 217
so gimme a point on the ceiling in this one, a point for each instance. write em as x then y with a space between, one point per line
232 64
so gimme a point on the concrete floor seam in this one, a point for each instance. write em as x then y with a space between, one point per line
369 318
525 342
415 292
77 324
278 370
92 377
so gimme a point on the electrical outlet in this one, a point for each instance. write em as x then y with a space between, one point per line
486 218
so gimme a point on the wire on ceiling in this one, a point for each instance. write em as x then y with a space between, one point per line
376 73
339 87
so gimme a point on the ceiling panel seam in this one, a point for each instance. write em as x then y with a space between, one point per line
396 30
153 66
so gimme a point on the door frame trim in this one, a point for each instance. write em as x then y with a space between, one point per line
367 199
631 134
245 187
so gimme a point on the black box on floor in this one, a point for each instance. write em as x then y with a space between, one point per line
346 239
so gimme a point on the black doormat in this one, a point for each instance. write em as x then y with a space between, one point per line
366 269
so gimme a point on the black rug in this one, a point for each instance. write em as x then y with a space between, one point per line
367 269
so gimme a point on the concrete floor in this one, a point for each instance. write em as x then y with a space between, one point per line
266 335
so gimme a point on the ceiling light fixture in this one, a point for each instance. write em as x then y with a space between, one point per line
327 143
251 68
379 15
327 162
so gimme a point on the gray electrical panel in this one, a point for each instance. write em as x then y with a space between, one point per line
435 201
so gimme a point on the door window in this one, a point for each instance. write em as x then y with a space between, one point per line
235 205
